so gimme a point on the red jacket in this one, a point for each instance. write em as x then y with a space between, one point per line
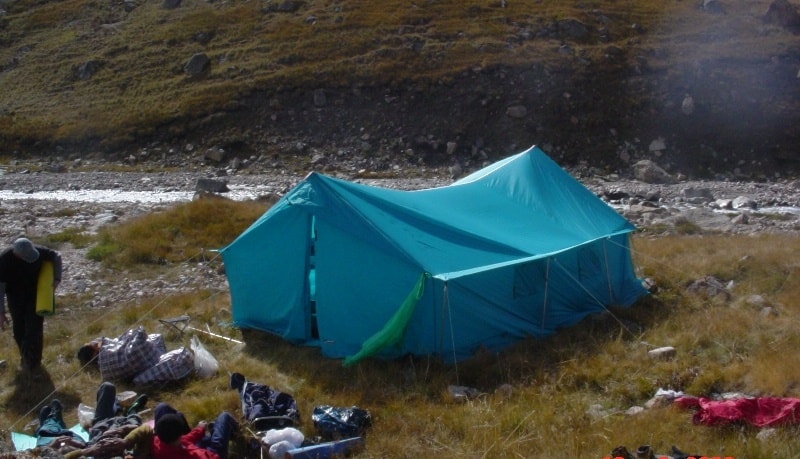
187 450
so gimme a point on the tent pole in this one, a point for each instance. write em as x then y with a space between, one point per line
608 273
546 289
446 303
442 318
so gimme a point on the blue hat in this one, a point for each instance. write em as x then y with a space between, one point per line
24 249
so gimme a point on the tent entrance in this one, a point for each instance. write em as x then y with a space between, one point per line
311 281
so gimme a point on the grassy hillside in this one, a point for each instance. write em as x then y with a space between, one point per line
565 396
90 75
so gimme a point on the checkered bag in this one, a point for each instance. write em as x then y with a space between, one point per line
172 366
133 352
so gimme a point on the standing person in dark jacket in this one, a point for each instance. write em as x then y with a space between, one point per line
19 275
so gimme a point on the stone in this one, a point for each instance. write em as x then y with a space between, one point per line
211 185
215 154
713 6
504 391
462 393
744 202
516 111
657 145
741 219
687 105
662 353
87 69
782 13
698 195
572 28
710 287
634 410
197 65
649 172
320 100
767 434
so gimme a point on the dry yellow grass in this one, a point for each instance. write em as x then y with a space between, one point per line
564 396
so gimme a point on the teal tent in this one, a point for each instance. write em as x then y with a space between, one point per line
516 249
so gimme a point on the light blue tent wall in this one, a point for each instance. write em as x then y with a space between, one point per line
517 249
262 269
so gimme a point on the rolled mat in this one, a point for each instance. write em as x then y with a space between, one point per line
45 296
328 450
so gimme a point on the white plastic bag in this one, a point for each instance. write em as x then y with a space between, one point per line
204 363
279 450
287 434
85 415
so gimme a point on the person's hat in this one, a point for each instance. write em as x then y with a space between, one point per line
24 249
170 427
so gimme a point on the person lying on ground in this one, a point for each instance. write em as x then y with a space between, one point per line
171 443
109 422
109 419
172 438
52 430
138 357
125 356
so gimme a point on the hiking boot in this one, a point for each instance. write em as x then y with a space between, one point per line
621 451
645 452
137 405
44 414
237 381
678 454
56 408
56 411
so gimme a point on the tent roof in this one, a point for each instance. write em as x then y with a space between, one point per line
519 209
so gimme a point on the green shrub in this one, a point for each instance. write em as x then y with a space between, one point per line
75 236
103 251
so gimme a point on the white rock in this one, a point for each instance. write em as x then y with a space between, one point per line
662 353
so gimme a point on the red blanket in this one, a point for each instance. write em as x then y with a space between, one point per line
760 412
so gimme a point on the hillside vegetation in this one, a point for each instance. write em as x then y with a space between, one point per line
597 81
564 396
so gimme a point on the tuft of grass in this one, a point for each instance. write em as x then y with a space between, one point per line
183 232
75 236
684 226
105 249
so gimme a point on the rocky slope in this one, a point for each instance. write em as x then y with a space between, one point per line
708 89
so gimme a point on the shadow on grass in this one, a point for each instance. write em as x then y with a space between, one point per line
525 362
30 392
